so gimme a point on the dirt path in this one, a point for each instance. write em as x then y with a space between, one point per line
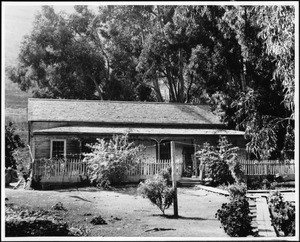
127 214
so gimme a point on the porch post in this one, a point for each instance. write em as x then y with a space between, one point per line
80 148
175 204
158 150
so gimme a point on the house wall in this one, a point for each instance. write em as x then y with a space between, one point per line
42 144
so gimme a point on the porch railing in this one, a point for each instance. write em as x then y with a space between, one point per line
60 167
76 167
145 168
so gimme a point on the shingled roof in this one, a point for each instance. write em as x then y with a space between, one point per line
120 112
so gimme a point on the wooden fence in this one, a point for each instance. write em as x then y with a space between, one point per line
74 167
144 170
68 167
268 167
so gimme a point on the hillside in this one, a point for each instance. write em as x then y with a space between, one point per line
18 23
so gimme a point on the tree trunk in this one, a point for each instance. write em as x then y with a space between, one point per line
157 90
97 87
180 97
28 183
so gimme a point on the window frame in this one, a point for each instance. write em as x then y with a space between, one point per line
51 146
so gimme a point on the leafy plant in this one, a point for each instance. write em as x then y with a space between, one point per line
157 191
283 213
166 173
109 162
234 217
222 166
237 190
12 143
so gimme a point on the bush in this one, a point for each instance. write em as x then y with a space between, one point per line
12 143
283 213
166 174
219 173
157 191
262 182
109 162
235 218
237 190
221 164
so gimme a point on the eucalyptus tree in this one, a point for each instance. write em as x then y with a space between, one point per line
59 58
264 105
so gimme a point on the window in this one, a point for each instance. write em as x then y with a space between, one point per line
164 150
58 148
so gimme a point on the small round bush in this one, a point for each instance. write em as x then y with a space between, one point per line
235 218
157 191
237 190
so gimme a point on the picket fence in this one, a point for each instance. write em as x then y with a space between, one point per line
53 168
268 167
75 167
151 168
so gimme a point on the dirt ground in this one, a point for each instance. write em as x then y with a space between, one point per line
128 214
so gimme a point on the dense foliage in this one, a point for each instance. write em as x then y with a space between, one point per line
109 161
237 190
12 143
283 213
239 59
221 163
235 215
157 191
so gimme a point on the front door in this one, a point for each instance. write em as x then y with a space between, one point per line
187 153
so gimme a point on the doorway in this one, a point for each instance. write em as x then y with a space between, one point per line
188 166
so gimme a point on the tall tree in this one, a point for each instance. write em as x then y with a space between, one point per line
263 107
59 58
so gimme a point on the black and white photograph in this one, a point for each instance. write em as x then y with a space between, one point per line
150 121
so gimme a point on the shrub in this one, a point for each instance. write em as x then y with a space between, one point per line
12 143
157 191
109 162
219 173
222 166
262 182
166 174
237 190
283 213
235 218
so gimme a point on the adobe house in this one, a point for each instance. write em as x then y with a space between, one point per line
60 127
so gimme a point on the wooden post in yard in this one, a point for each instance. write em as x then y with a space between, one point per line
175 204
